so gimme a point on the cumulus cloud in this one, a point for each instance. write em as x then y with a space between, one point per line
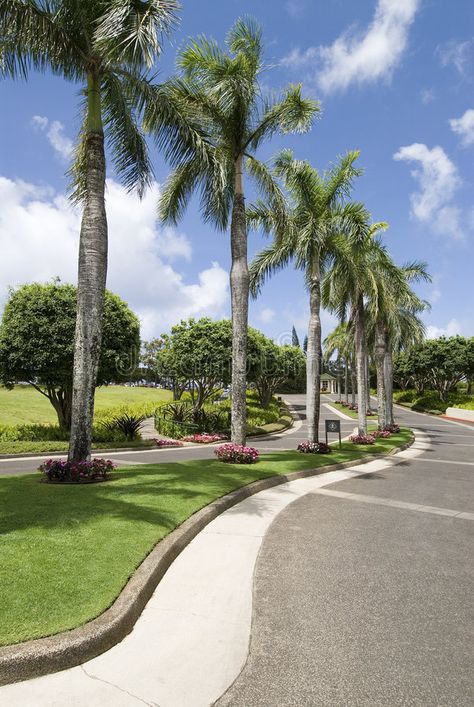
452 328
54 131
456 54
438 180
464 127
358 57
39 232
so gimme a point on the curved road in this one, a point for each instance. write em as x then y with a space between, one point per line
286 440
363 591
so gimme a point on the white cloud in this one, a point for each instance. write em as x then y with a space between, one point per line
455 54
295 8
362 57
427 96
464 126
39 233
452 328
438 180
266 315
62 145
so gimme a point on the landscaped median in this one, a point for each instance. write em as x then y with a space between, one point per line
68 551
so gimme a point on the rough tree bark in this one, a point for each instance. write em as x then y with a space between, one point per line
380 351
388 375
361 357
346 379
91 282
313 354
239 289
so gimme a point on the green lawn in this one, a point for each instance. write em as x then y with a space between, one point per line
352 413
24 404
67 551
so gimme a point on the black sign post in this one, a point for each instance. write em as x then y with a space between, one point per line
333 426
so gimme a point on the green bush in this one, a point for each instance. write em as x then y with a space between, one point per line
430 402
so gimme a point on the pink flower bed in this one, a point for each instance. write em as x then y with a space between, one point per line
236 454
362 439
58 470
384 434
314 447
204 438
168 443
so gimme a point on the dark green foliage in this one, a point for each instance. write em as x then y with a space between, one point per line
37 342
128 424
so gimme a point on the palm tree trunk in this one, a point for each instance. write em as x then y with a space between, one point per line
239 290
353 382
388 375
313 355
367 369
361 357
346 379
91 282
380 351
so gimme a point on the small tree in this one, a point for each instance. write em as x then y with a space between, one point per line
447 362
276 366
37 342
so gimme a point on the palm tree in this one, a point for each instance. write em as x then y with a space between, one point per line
105 46
346 289
309 234
341 339
393 319
219 97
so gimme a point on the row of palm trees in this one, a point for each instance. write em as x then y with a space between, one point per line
209 122
348 270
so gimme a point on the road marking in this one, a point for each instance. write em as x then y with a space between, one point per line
339 413
379 501
446 461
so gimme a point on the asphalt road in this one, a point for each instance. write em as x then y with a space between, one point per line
286 440
363 599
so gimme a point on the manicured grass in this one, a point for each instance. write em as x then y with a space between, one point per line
67 551
22 447
353 413
24 404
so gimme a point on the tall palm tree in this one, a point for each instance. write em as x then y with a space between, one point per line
219 96
393 319
341 339
346 289
105 46
309 234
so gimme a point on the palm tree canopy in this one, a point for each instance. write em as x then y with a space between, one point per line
223 117
116 42
311 228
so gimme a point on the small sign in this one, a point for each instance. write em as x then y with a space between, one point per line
333 426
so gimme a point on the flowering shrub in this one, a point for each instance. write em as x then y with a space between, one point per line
204 438
61 470
236 454
392 428
370 413
381 433
168 443
362 439
314 447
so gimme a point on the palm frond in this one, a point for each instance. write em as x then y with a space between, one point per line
32 36
130 32
125 140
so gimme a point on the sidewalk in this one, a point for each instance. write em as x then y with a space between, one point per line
192 639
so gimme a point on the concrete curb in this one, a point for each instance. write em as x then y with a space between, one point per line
66 650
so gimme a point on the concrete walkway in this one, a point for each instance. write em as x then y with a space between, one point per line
340 604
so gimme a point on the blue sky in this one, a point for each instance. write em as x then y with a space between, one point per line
395 79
